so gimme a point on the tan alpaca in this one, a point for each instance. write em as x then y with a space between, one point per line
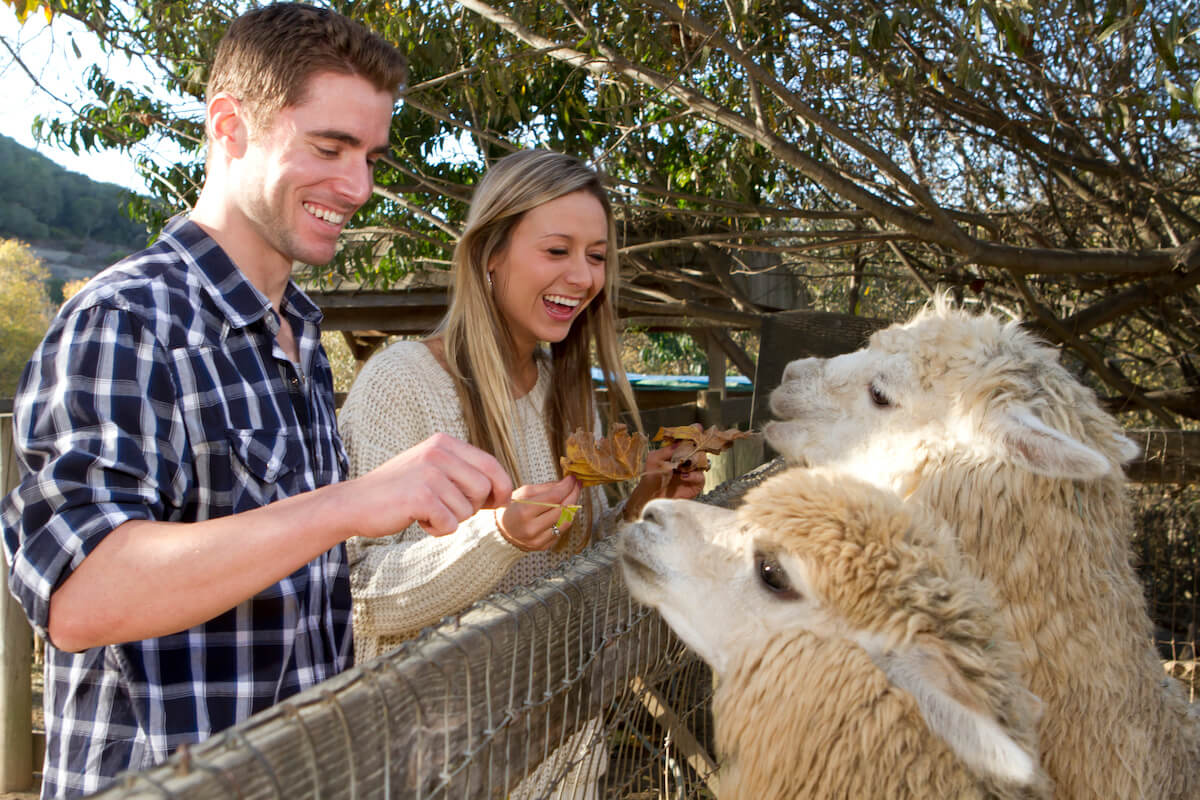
977 420
855 655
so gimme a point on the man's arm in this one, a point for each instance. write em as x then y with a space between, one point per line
150 578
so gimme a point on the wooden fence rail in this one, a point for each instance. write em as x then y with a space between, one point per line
16 644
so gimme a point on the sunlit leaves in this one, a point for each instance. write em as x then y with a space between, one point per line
23 8
618 457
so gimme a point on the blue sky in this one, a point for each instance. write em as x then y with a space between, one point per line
48 51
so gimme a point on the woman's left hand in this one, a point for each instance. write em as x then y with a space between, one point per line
660 478
680 484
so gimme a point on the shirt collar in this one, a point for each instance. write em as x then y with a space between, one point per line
239 300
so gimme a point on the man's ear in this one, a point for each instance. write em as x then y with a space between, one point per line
227 124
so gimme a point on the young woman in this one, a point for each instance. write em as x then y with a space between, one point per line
537 263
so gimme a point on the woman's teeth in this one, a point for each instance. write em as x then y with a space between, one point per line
325 214
561 300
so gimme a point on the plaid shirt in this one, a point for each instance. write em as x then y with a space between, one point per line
160 393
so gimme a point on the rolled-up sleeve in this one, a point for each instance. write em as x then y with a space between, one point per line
99 440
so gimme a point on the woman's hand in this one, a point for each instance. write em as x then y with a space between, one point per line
662 478
680 484
530 527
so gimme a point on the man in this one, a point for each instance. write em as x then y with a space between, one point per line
177 534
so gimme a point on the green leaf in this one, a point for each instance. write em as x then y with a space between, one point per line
566 515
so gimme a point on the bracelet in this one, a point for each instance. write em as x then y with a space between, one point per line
504 534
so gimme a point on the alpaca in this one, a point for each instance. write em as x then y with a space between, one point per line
855 655
976 419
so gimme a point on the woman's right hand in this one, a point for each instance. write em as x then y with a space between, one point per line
530 527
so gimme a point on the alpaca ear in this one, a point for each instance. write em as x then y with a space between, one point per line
952 713
1030 443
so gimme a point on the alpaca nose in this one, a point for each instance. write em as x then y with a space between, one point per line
655 513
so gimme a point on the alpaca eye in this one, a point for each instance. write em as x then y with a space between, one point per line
879 398
774 578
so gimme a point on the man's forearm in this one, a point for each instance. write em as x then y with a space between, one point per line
150 578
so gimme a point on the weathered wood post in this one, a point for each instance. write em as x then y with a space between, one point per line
16 644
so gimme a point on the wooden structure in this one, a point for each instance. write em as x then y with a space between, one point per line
16 654
369 317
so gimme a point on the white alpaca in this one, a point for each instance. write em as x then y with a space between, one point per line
855 655
976 419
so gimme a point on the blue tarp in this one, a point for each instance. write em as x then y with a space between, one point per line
680 383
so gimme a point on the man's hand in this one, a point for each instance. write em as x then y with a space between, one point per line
437 484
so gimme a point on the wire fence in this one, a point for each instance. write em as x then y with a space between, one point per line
565 689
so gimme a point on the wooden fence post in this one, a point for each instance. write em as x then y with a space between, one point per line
16 648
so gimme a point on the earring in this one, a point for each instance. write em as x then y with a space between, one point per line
491 285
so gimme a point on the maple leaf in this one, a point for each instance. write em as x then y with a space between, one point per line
618 457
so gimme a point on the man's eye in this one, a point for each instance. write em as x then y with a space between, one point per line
774 578
879 398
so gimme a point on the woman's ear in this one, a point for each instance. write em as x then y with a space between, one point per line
227 124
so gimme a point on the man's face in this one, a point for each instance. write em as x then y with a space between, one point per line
311 168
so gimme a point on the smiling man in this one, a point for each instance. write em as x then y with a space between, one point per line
177 535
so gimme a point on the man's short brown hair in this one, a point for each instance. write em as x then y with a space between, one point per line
268 55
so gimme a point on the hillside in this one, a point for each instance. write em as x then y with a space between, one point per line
77 226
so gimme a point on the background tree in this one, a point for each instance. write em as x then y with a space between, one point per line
1039 156
25 310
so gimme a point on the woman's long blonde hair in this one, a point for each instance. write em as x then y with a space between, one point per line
478 345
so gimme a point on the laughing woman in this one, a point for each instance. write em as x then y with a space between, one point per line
536 266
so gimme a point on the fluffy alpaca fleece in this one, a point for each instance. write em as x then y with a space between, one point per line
855 654
975 419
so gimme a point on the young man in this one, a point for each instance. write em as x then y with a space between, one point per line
177 534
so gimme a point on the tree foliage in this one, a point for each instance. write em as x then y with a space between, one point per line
25 310
1040 156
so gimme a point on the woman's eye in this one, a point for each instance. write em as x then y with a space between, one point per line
879 398
774 578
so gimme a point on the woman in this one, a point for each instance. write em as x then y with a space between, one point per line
537 263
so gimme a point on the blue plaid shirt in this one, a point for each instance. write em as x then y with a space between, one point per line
160 393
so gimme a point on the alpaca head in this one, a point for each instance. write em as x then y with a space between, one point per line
826 558
945 381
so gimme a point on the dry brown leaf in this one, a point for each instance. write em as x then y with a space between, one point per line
696 442
714 440
618 457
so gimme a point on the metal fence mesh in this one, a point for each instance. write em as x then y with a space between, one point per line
564 689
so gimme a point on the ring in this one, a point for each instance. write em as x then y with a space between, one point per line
554 529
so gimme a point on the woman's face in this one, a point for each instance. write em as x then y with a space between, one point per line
551 269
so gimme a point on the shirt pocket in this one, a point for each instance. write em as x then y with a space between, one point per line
262 469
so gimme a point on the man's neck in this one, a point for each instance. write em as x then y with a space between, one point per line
263 266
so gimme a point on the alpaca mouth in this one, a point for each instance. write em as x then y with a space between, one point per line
638 568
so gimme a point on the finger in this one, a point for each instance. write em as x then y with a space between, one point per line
439 520
485 465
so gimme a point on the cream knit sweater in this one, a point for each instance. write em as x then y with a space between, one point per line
409 580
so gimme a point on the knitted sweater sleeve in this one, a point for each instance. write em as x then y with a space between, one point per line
409 580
